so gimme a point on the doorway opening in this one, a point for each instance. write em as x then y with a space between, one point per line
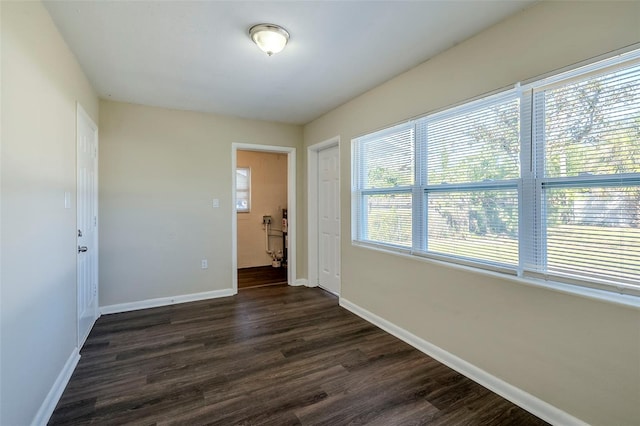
263 224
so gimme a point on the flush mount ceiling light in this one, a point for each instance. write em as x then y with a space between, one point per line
270 38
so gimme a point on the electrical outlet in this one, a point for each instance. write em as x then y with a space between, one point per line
205 264
216 203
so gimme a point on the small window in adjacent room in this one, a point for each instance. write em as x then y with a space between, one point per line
243 189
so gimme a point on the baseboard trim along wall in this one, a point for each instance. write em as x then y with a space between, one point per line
165 301
534 405
49 404
300 281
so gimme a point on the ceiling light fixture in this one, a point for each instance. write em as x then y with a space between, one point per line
270 38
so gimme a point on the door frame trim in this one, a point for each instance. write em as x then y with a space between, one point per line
312 205
291 206
81 113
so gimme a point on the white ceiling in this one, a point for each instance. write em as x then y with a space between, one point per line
198 55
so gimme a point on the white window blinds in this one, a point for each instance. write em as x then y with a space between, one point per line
588 174
541 181
475 143
472 171
383 178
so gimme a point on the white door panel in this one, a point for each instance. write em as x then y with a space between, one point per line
329 219
87 224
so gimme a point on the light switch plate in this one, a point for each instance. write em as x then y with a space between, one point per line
67 200
216 203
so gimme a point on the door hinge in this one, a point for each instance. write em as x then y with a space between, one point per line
95 221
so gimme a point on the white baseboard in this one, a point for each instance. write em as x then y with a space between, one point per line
49 404
165 301
299 282
534 405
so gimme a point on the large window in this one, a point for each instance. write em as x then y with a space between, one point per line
586 136
385 178
471 171
542 180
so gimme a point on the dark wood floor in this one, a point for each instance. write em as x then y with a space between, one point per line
272 356
261 276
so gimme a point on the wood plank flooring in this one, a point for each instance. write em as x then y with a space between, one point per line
274 355
260 276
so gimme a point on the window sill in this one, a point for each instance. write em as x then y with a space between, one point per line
570 289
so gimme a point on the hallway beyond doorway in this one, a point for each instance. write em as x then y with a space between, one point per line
261 276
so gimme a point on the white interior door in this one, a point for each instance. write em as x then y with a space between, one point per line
329 219
87 220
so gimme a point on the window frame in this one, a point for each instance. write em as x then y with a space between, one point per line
530 185
535 266
422 152
420 189
361 232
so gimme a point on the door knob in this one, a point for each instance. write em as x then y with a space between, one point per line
82 249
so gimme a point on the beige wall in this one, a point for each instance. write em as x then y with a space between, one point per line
268 197
41 82
160 169
578 354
